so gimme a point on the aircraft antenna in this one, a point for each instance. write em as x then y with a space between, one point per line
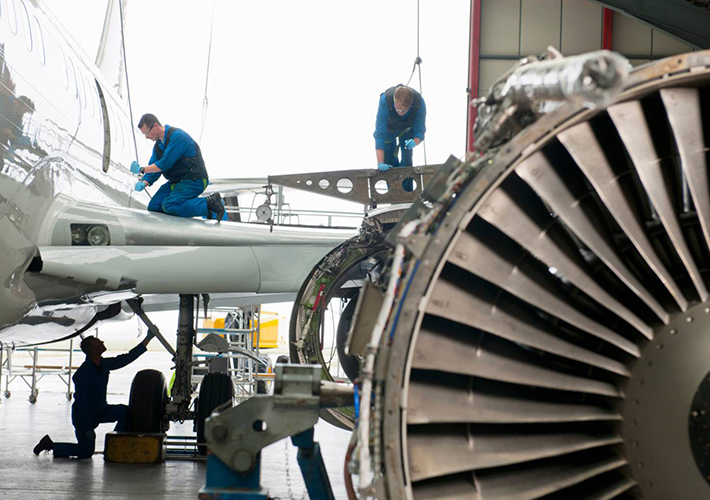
418 64
207 76
128 87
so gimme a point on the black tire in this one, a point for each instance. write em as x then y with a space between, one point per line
348 362
216 389
146 404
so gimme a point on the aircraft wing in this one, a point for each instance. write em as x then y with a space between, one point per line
139 252
163 254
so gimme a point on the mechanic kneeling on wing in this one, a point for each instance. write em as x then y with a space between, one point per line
90 407
177 157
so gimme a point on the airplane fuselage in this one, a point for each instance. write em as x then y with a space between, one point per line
74 235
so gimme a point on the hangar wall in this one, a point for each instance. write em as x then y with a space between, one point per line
511 29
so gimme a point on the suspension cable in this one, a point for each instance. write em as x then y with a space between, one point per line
418 64
207 76
128 84
128 87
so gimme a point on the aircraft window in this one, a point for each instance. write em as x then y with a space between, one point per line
12 16
107 128
65 70
40 42
72 73
26 25
80 83
97 100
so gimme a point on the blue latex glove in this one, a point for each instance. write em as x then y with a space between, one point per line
135 167
410 144
140 186
384 167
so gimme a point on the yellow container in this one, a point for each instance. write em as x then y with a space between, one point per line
127 448
269 334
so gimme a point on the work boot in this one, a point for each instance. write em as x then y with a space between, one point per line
215 205
45 444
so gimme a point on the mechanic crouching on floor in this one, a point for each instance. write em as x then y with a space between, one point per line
90 407
177 157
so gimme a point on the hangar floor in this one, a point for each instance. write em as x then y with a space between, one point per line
26 476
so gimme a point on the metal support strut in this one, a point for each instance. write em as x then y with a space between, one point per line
237 435
178 408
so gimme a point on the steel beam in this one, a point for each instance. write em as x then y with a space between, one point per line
680 19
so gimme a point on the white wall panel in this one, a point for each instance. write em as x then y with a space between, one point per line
491 69
664 45
581 27
540 26
500 27
630 37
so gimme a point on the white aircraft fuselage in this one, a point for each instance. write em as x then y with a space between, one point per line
66 144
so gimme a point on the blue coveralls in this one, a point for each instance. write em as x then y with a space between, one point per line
388 141
177 198
90 407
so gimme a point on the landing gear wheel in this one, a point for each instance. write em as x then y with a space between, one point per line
146 404
8 394
69 396
215 390
33 398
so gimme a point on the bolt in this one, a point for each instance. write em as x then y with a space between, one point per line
640 464
659 346
242 461
695 413
673 332
689 319
707 310
220 432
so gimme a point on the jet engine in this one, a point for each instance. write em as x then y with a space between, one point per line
545 314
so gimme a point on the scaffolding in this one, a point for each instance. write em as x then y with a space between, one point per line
241 358
32 373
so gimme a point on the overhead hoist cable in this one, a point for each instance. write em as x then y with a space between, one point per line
128 86
418 64
205 101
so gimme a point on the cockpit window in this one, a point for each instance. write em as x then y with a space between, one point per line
107 128
64 70
26 25
12 16
39 41
72 76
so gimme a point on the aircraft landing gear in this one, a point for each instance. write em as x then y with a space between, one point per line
177 406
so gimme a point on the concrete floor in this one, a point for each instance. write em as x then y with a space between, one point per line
26 476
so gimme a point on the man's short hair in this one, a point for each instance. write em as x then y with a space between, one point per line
404 95
86 344
148 120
